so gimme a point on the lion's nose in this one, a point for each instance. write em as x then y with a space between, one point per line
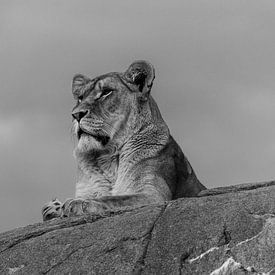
79 114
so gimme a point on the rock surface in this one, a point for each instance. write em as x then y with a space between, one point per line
227 230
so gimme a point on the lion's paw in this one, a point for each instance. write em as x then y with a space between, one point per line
73 207
51 210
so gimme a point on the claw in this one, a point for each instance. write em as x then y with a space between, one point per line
45 208
51 210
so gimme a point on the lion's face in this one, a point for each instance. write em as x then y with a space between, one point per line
107 108
102 111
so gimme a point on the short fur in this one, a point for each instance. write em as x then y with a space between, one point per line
125 153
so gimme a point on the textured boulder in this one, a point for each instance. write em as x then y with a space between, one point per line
227 230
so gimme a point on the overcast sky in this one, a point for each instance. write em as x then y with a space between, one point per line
215 86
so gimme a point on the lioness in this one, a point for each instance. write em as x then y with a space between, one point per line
125 153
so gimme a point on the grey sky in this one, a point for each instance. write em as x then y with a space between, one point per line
215 68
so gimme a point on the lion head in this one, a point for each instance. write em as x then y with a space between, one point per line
112 107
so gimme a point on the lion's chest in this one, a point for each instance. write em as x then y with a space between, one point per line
98 177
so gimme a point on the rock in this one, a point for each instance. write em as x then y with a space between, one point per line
228 230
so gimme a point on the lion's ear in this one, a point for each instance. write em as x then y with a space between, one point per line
78 84
142 74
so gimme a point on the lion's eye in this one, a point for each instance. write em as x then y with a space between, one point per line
105 92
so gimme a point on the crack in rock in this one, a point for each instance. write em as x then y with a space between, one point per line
121 241
140 264
190 261
269 223
226 236
183 258
223 241
65 258
230 266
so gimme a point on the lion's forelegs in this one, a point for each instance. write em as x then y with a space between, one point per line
74 207
80 206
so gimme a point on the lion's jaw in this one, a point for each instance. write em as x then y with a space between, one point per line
86 140
110 136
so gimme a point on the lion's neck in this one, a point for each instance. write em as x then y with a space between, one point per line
97 173
97 161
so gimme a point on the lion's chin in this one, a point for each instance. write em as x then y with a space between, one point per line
103 139
87 142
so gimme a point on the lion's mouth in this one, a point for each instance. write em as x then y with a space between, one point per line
100 138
